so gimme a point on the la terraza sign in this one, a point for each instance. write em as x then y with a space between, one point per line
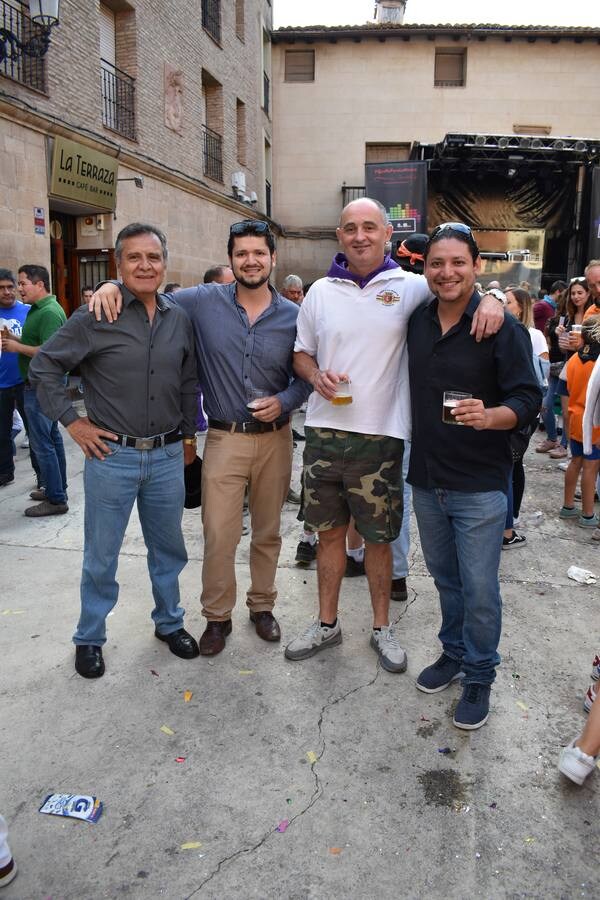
82 174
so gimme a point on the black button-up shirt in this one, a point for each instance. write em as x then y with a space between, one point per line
140 377
498 370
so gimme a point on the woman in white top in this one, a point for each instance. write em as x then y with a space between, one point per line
518 302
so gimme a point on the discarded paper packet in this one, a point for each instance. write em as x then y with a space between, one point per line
583 576
75 806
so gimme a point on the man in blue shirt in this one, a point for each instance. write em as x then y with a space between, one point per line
244 334
12 315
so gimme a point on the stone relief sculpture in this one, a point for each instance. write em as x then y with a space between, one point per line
173 98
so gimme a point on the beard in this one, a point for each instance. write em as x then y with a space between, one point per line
252 285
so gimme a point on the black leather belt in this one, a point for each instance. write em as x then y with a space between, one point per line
147 443
247 427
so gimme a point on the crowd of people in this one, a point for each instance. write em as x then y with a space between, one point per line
390 356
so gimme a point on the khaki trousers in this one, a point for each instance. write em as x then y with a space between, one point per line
230 461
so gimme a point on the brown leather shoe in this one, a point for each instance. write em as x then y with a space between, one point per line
213 639
266 626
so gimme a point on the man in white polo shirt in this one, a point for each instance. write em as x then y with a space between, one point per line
351 332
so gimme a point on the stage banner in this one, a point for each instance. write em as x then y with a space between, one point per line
402 188
594 244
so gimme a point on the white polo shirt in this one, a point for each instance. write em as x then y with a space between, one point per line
362 332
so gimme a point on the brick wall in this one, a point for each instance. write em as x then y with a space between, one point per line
154 33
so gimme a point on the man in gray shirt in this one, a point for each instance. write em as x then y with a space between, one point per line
140 395
245 335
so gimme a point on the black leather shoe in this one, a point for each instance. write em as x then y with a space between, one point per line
267 626
180 643
213 638
88 661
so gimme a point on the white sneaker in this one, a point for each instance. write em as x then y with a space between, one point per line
315 638
391 655
576 764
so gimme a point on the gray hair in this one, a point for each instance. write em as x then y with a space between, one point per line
384 213
292 281
136 229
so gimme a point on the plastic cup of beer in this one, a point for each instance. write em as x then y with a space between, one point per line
451 398
576 329
255 395
343 393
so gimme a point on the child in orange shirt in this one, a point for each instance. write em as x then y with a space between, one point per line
579 370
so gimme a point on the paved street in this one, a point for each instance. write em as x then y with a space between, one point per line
345 753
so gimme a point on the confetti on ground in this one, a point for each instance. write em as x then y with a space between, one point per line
187 696
283 826
425 719
289 801
478 856
166 730
444 750
522 705
494 805
335 851
191 845
246 671
529 840
13 612
180 759
312 757
152 672
515 675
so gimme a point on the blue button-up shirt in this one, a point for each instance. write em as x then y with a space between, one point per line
234 356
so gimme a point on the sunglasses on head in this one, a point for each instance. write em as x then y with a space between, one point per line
451 226
251 226
578 279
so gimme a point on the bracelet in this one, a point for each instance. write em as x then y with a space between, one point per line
191 442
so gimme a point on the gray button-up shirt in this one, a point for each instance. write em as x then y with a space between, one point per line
234 356
139 376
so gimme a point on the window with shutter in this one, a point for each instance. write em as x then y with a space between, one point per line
450 67
299 65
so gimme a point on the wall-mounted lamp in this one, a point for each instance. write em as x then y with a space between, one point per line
43 14
137 179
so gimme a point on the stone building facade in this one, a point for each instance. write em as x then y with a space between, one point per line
176 94
344 96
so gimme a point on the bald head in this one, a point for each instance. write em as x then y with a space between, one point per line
363 232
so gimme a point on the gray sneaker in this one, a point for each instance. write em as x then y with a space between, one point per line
316 637
391 655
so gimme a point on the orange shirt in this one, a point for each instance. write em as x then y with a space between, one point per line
578 375
592 310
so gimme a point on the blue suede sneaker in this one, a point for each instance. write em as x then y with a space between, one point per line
439 675
473 707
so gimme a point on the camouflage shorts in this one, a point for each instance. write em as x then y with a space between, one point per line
349 474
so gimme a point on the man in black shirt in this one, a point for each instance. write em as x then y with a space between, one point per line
460 471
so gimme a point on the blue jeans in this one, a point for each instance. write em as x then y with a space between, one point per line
153 478
401 546
548 417
461 539
47 444
11 398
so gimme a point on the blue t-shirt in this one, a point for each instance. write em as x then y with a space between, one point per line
12 318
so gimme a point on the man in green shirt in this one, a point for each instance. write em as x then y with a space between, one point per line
45 317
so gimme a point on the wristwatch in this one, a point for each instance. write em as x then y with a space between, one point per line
497 293
190 441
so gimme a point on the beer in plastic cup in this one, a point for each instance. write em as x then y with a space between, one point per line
451 398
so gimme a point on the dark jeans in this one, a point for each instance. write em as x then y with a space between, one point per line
47 442
11 398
